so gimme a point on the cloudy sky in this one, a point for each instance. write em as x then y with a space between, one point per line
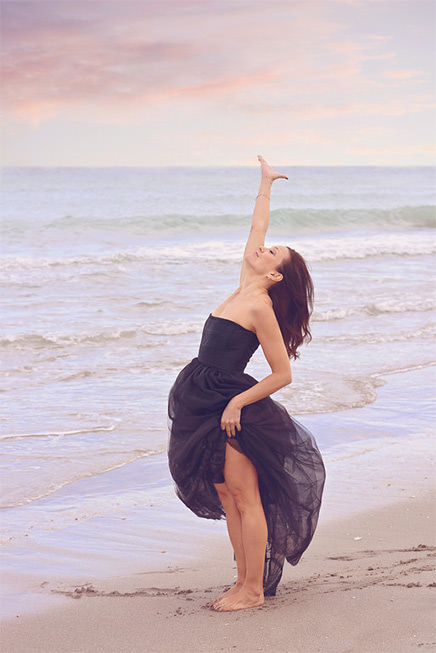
214 82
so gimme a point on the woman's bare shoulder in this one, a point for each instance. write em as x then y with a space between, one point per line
262 311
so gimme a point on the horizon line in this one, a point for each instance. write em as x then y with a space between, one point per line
256 166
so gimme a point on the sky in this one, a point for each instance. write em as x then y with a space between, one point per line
215 82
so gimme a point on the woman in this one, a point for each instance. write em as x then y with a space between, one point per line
233 451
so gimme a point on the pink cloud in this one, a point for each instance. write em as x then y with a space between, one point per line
378 109
60 54
310 111
404 74
379 37
397 150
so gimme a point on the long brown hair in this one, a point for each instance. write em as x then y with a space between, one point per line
292 299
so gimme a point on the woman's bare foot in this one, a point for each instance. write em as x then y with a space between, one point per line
229 592
241 600
268 171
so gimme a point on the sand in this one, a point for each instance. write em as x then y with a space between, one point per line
365 585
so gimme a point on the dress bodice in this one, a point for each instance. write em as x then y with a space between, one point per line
226 345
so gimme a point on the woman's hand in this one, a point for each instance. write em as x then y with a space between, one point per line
231 419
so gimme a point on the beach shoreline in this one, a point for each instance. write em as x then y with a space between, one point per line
366 583
373 465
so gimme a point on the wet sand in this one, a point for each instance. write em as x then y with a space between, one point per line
366 584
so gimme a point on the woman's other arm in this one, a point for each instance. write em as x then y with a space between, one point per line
271 340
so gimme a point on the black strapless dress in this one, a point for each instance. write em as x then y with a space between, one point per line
289 466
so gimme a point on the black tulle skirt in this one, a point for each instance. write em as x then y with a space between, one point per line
289 465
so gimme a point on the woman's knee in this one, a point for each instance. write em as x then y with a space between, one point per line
239 497
245 498
224 494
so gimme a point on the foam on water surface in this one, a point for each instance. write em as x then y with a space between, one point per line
107 277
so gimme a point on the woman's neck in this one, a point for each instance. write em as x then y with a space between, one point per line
254 284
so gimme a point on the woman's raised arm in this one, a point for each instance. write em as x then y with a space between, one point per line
260 220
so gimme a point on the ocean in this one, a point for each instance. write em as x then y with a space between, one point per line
107 276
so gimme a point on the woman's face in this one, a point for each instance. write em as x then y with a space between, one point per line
267 259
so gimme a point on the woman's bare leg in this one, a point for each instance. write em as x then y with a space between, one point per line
241 480
234 529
